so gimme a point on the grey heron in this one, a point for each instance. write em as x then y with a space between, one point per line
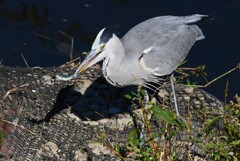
150 50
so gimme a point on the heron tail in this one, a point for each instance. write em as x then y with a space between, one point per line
197 18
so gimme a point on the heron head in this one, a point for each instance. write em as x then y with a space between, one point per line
99 49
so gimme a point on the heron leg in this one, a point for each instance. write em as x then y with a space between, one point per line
141 122
146 106
174 94
146 99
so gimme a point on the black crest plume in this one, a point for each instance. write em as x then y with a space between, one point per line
108 33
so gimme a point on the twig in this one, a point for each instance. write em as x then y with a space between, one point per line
19 46
69 62
113 150
14 90
16 125
214 80
226 94
71 52
187 68
24 60
98 113
45 37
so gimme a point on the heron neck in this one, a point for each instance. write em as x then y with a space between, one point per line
112 64
117 51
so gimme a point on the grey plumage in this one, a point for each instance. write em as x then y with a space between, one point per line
151 49
167 41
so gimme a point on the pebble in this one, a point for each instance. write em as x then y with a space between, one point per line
189 90
82 86
46 77
51 147
103 121
47 80
92 123
80 155
71 115
99 149
163 93
186 97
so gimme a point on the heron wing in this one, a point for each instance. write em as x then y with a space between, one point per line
163 58
159 31
169 38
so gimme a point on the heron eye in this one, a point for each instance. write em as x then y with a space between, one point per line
103 46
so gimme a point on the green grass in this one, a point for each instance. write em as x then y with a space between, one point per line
2 135
223 147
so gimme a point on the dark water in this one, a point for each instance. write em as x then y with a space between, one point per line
33 30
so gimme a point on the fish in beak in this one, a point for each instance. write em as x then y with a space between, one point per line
88 62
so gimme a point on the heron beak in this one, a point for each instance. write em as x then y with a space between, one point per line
85 64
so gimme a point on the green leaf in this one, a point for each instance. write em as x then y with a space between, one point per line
142 92
196 140
163 114
148 150
133 138
84 53
118 148
167 116
127 96
210 122
134 94
2 135
236 142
